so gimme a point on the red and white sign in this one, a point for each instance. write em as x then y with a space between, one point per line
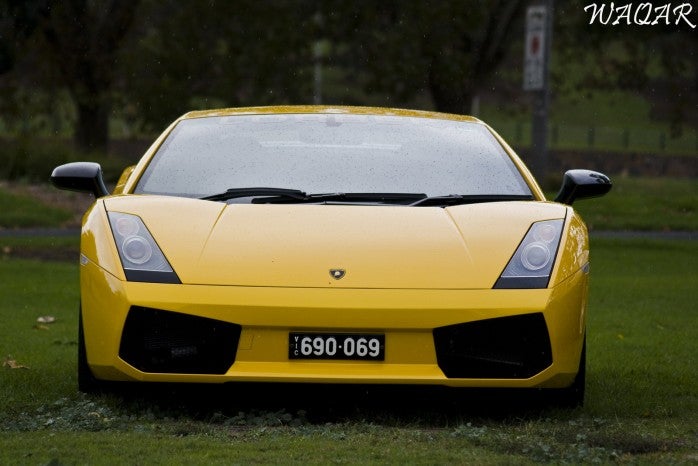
534 55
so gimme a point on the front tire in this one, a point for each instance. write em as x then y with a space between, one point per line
573 396
87 383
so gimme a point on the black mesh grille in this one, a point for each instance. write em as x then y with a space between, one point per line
516 347
169 342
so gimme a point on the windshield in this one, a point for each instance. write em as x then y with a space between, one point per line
331 153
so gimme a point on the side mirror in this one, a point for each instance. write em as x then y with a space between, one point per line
80 176
582 184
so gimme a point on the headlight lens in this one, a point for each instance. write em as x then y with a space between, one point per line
141 258
531 264
125 225
136 250
535 256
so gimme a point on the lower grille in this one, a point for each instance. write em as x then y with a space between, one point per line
516 347
168 342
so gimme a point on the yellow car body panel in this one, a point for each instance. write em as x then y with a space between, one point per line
405 313
268 245
121 183
267 315
266 268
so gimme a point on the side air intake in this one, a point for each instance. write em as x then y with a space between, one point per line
516 347
169 342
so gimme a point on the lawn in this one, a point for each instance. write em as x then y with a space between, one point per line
608 120
24 211
642 394
658 204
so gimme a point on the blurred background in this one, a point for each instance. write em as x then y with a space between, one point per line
100 79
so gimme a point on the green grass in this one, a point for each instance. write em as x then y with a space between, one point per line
653 141
647 204
327 445
65 248
31 289
642 390
610 121
21 211
643 331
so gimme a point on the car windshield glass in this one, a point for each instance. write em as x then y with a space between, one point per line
330 153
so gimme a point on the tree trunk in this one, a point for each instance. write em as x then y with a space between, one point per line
92 128
448 97
84 37
450 100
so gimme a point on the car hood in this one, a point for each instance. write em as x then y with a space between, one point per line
298 245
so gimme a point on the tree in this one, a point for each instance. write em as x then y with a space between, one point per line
449 49
18 20
186 55
170 56
656 61
83 38
28 83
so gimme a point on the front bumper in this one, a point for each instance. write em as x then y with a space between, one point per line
266 315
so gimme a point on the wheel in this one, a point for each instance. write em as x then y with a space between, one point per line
87 383
573 396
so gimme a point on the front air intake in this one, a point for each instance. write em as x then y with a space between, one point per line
170 342
516 347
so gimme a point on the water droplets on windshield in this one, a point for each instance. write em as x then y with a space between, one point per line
319 153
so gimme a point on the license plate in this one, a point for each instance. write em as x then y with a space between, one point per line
347 346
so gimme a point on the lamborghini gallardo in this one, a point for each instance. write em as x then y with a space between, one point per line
333 245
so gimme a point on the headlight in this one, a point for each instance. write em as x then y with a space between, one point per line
136 250
141 258
531 264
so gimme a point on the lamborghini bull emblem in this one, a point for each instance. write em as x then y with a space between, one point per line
337 274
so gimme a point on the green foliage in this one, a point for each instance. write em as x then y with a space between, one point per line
188 56
33 160
656 62
30 160
158 59
447 50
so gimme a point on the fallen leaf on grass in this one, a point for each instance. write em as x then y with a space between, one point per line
40 327
46 319
12 364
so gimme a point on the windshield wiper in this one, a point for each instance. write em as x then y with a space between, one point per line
267 195
253 192
456 199
339 197
367 197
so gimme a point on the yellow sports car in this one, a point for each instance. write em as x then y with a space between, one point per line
332 245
